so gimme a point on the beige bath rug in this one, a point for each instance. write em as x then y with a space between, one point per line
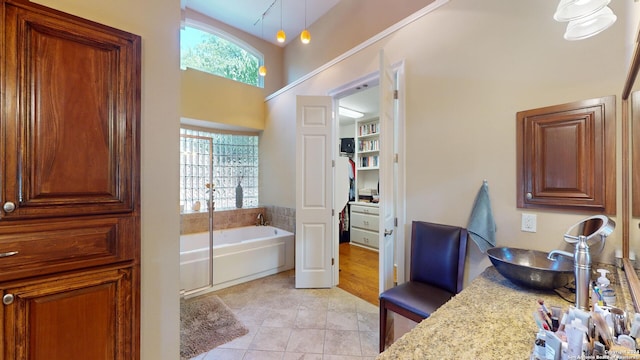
206 322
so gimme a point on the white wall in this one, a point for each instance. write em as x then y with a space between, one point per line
470 66
157 22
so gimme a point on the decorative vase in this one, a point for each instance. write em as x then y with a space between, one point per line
239 196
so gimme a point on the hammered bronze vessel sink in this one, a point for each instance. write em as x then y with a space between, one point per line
531 268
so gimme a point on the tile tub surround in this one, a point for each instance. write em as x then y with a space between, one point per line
281 217
224 219
277 216
490 319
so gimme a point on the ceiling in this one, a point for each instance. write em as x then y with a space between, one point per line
364 100
246 15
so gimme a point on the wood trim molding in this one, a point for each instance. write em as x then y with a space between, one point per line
632 276
634 283
625 178
634 123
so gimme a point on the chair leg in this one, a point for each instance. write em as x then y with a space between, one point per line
383 324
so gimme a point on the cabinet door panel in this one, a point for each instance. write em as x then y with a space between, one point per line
47 247
365 237
72 110
364 221
566 156
69 317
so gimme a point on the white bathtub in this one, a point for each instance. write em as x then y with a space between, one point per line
239 255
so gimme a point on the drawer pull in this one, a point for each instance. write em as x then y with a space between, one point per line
9 206
8 299
8 253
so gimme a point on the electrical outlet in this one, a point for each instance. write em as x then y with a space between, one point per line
528 222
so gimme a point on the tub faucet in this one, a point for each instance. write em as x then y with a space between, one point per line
260 220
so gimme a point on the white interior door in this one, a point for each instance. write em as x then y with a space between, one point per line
386 174
314 192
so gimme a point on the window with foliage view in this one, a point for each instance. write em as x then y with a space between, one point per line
216 55
225 159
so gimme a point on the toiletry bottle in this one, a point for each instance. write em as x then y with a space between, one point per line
553 346
575 339
635 329
608 294
603 282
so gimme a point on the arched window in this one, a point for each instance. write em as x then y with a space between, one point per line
210 50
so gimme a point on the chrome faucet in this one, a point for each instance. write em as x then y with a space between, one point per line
581 268
260 220
554 253
579 234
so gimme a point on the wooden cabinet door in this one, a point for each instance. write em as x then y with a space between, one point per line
566 156
70 115
83 316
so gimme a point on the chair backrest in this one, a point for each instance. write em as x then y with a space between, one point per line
437 255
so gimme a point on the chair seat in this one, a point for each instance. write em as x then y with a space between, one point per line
419 298
435 274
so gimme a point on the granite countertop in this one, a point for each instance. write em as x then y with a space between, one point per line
492 318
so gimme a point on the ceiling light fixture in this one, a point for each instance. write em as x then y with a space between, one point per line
586 17
280 35
569 10
590 25
305 36
349 113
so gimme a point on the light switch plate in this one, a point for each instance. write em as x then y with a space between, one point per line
529 222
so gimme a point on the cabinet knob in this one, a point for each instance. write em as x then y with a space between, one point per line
529 196
9 206
7 299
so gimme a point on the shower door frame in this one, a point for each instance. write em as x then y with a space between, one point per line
185 292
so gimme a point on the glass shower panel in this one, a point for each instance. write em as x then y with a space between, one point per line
196 245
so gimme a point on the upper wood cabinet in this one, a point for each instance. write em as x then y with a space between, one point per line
68 134
566 156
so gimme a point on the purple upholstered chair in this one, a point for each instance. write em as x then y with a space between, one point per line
436 274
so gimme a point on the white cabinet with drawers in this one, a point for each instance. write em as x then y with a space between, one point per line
364 225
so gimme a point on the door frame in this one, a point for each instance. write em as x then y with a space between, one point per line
348 89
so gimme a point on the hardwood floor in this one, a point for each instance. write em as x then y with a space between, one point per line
359 272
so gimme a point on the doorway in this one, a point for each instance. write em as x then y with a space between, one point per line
318 202
356 189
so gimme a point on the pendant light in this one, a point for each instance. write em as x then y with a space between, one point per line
590 25
305 36
262 70
586 17
569 10
280 35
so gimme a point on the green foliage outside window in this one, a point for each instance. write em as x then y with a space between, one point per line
209 53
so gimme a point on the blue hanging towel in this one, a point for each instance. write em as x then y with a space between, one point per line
481 226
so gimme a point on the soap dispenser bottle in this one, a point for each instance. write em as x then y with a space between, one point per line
608 294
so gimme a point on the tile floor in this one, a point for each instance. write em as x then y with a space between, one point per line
308 324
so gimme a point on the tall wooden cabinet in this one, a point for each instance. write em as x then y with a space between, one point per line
69 186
